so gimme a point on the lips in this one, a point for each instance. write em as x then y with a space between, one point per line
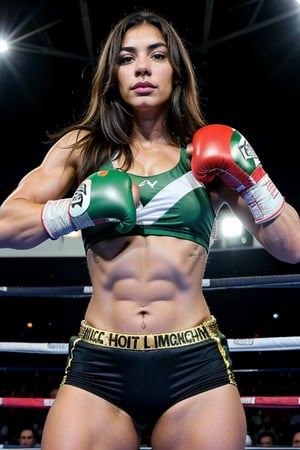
143 87
143 84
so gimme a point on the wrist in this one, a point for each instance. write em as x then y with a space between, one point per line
56 219
264 200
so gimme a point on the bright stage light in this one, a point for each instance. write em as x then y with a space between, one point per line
3 45
230 233
231 227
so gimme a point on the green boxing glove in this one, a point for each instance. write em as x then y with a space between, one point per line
104 196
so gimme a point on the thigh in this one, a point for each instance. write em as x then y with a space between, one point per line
79 420
212 420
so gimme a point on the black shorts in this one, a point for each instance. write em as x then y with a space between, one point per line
146 374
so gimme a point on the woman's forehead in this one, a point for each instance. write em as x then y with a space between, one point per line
142 33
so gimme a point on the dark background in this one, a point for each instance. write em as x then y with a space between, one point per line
247 58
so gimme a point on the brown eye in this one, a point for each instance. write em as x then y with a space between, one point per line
126 59
159 56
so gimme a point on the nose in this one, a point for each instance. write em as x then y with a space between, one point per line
142 69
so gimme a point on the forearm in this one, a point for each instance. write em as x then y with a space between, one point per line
281 237
20 224
105 196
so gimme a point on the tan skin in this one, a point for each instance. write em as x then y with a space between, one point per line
152 279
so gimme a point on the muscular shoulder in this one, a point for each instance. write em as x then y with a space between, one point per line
72 138
68 149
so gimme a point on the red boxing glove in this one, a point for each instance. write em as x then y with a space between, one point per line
222 151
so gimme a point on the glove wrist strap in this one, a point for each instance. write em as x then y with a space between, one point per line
264 200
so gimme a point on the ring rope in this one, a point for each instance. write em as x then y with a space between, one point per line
263 281
269 370
235 345
251 401
31 369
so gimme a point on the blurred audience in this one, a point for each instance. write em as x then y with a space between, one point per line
296 440
28 438
248 440
266 439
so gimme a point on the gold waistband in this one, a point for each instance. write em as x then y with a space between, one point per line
203 332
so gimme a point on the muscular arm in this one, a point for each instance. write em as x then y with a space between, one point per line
20 213
281 237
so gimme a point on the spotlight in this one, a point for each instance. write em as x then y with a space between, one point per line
230 226
230 232
3 46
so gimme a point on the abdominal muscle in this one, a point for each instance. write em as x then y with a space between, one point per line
144 285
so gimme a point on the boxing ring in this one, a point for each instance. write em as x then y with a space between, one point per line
241 345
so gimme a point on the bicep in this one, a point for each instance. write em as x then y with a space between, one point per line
41 185
49 181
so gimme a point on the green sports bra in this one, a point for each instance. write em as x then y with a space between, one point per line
173 203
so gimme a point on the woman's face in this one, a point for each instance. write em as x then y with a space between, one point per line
145 75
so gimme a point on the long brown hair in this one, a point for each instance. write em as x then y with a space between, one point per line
108 120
